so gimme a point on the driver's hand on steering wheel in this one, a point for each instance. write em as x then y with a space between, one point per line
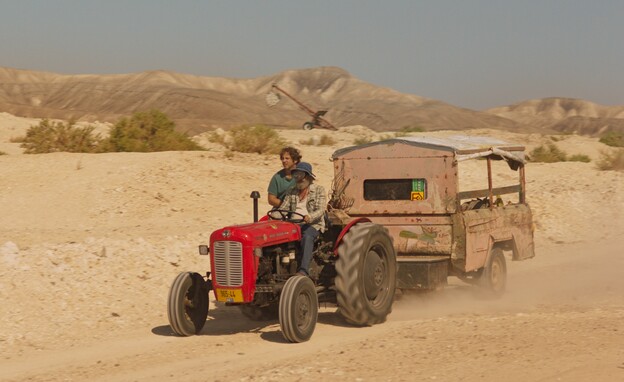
306 219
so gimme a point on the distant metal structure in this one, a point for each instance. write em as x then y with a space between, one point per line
272 98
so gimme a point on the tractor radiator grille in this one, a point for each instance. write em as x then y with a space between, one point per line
228 263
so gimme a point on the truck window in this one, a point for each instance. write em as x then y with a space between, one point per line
395 189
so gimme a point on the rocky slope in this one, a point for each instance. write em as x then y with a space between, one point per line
565 115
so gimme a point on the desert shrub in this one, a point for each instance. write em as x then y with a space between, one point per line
548 154
561 137
18 139
49 137
362 140
611 161
147 132
384 137
613 138
579 158
258 139
323 140
411 129
327 140
215 137
406 130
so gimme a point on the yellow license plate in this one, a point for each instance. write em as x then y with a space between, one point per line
229 295
418 195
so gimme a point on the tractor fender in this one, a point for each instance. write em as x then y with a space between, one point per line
346 229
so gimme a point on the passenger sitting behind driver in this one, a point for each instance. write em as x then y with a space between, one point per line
308 200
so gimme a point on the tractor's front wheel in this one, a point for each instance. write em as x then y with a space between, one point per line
298 309
366 274
187 307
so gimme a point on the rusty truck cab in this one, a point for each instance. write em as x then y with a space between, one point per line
412 186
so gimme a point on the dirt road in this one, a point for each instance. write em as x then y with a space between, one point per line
562 319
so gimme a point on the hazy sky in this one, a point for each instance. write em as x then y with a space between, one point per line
470 53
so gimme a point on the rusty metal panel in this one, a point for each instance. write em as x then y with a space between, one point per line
398 160
418 235
458 144
373 180
412 220
422 273
392 148
484 227
422 239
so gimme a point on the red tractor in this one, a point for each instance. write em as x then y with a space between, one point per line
399 218
253 266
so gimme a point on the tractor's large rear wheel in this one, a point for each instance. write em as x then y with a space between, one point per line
298 309
366 274
187 307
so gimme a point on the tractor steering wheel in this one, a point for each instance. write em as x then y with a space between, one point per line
286 215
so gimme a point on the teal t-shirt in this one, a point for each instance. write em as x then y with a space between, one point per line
279 185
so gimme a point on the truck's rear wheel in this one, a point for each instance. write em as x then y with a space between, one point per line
298 309
187 307
494 277
366 274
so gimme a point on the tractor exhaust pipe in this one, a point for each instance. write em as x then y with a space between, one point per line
255 195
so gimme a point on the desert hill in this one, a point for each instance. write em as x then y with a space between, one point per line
200 103
565 115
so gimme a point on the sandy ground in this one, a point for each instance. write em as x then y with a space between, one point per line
90 243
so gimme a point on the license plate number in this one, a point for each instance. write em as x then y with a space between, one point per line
229 295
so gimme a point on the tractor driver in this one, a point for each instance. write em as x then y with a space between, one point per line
307 199
282 181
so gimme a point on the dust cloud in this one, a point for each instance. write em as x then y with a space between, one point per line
581 274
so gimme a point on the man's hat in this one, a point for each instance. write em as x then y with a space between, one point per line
305 167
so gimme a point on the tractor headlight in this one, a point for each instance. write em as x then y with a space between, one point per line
258 252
